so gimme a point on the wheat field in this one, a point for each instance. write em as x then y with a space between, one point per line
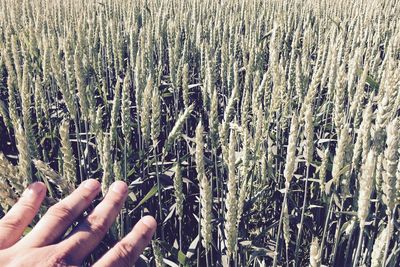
257 133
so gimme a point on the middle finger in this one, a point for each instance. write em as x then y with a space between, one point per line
88 234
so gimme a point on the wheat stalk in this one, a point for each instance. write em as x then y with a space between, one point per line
291 151
69 163
107 177
155 117
24 159
339 159
126 120
115 111
158 255
48 173
145 114
231 201
176 130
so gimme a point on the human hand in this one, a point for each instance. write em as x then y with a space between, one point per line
43 246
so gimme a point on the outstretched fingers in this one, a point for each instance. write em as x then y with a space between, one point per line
88 234
13 224
61 215
126 252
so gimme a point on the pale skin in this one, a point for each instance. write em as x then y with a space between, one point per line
45 245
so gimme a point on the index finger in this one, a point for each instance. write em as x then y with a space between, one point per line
61 215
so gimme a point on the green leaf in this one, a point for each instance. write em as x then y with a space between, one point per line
131 172
344 170
149 195
192 248
181 257
170 263
370 80
27 230
132 196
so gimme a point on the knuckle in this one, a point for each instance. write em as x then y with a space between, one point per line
115 204
59 259
15 221
98 225
124 252
86 198
11 222
27 206
61 211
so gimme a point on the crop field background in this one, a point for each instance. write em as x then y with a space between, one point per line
257 133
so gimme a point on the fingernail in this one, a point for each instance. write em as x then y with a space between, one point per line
119 187
91 184
34 189
149 221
